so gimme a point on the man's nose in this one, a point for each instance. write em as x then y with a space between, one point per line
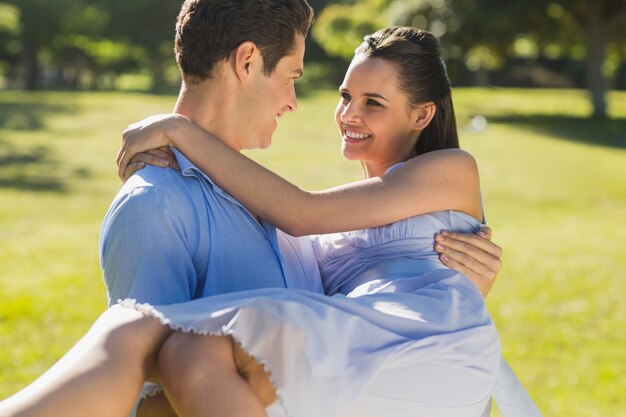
293 101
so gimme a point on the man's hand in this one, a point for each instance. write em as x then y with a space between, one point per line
255 375
474 255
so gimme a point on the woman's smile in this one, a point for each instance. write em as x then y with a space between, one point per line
352 135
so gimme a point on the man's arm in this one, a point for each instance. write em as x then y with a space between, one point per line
474 255
147 246
147 250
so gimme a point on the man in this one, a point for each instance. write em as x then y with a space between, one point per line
173 236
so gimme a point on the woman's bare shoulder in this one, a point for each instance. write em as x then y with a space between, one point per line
444 161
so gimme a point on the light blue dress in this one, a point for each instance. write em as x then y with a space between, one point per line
399 335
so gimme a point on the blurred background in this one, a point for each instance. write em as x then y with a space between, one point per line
124 45
540 96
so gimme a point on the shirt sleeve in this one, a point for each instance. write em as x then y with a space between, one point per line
147 247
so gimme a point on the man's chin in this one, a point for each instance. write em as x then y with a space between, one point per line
258 143
265 142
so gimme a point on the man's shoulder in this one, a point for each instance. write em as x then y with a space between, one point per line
166 182
161 178
164 190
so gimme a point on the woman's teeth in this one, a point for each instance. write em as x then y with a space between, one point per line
356 135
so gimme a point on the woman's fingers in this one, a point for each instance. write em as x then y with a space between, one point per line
155 157
165 157
143 136
127 154
131 169
122 161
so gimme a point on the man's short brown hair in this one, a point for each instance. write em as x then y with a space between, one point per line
207 31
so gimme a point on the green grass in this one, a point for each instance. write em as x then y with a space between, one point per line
554 184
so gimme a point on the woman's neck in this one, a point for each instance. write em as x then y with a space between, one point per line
377 170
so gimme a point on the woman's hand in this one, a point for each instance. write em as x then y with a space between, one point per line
160 157
144 137
474 255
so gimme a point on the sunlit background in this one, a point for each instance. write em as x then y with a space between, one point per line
540 100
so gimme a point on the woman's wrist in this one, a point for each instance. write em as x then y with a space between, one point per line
174 129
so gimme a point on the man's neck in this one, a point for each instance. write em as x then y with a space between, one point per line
210 107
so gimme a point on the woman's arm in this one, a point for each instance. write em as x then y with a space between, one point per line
442 180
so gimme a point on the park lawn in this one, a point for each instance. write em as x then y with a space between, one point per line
554 185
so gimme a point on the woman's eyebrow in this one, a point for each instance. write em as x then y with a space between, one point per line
375 95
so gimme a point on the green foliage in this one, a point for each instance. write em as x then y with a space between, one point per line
484 33
556 28
9 31
552 179
341 27
9 18
102 55
88 39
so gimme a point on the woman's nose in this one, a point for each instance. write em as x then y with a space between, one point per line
350 113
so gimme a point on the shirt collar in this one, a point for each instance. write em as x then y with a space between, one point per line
188 169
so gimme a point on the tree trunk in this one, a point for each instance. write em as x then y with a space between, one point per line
596 52
481 77
30 51
158 74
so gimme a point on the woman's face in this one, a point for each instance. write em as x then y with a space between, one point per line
375 120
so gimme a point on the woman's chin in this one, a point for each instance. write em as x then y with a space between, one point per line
349 154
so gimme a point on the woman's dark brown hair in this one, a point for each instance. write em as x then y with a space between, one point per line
422 77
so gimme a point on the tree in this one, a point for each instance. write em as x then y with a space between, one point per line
486 32
40 21
592 26
148 24
341 27
9 39
602 22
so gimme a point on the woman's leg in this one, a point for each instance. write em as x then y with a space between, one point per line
200 378
101 375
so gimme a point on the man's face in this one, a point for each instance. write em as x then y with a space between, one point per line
269 97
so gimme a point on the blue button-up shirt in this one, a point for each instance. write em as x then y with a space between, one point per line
172 236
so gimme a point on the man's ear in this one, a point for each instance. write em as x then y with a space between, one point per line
423 115
244 57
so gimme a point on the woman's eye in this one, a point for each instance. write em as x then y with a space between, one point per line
346 97
371 102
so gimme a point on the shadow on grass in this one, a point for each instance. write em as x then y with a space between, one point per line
31 169
609 133
35 169
28 115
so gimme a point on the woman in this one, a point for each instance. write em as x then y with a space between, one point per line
402 335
